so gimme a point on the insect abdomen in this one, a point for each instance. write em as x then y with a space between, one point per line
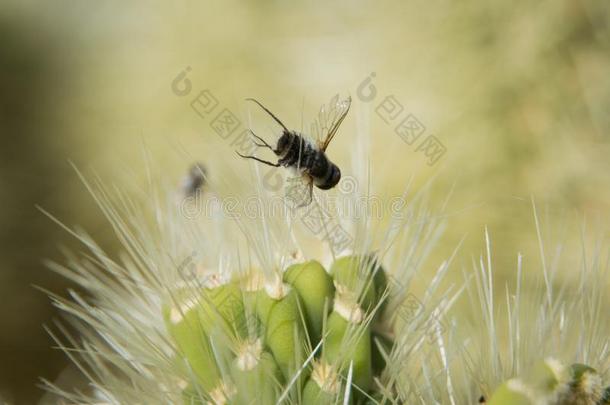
318 165
331 177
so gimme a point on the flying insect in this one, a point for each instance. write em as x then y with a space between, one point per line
308 157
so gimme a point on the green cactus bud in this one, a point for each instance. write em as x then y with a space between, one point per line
278 309
323 387
185 326
513 392
315 287
256 375
353 274
346 344
223 310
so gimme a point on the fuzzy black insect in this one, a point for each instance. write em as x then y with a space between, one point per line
309 159
195 180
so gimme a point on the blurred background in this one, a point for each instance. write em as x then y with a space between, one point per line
517 94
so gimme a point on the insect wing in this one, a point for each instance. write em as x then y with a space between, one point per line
329 118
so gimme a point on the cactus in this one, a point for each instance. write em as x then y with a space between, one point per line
301 306
275 329
315 287
256 375
551 383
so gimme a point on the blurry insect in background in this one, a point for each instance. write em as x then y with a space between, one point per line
193 183
307 157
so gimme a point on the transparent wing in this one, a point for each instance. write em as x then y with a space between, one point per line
325 125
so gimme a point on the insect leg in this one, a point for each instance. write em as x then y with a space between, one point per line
309 199
310 193
259 160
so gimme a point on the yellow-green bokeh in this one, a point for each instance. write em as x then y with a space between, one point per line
517 91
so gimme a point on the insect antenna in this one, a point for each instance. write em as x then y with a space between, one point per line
263 144
258 160
270 113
